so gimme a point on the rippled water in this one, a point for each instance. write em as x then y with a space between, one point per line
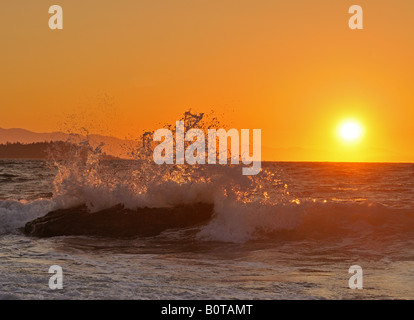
294 238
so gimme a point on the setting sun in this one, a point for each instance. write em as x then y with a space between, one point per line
350 131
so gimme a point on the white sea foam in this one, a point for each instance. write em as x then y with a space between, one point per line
15 214
240 222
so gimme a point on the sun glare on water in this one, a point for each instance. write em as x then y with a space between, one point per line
350 131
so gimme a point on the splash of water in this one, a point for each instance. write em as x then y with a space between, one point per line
85 177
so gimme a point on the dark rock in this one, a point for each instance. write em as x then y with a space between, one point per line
118 221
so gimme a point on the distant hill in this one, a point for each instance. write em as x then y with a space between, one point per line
26 136
112 146
56 150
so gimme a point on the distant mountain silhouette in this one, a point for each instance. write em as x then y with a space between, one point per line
26 136
56 150
112 146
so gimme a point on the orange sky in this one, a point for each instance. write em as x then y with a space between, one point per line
291 68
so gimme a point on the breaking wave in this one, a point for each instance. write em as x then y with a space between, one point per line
239 222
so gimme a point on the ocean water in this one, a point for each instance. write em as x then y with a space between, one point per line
291 232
